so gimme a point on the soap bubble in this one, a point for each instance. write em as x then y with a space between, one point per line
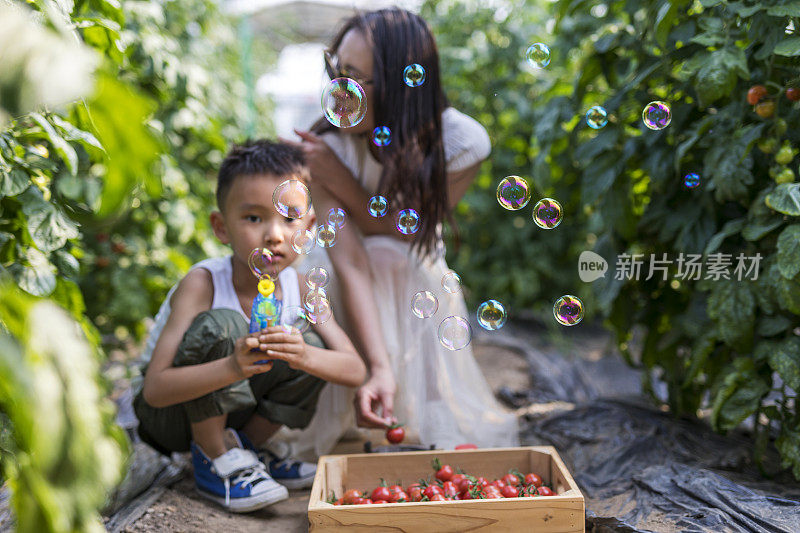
294 317
320 312
491 315
414 75
262 264
547 213
313 297
596 117
455 333
568 310
381 136
344 103
317 278
538 55
292 199
513 193
451 282
326 235
378 206
656 115
691 180
303 241
424 304
407 221
336 217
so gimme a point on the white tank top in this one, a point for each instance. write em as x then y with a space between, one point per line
221 270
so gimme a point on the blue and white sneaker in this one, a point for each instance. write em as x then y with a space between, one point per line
237 480
282 467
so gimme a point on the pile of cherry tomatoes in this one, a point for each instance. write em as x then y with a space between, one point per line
449 485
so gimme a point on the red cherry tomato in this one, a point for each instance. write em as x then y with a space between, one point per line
481 482
438 498
510 479
414 492
376 502
457 478
466 446
394 493
533 479
499 483
509 492
491 493
464 485
755 94
449 488
793 94
430 490
338 502
465 495
351 496
545 491
445 473
395 434
381 493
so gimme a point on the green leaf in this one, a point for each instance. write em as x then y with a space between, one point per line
739 396
785 9
62 147
789 294
732 305
788 444
732 227
716 77
14 182
785 199
786 362
788 47
72 133
769 326
38 276
48 226
789 251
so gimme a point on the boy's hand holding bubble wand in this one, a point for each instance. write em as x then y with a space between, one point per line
266 310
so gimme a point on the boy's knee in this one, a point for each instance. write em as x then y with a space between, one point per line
211 336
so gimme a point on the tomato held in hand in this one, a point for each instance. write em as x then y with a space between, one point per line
395 434
533 479
755 94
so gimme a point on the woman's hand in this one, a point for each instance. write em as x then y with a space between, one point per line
243 360
326 169
377 392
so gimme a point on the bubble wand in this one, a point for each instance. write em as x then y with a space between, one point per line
266 309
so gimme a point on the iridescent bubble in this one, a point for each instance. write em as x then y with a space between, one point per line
407 221
455 333
568 310
320 312
344 103
547 213
451 282
336 217
313 297
262 264
491 315
414 75
292 199
513 193
691 180
317 278
303 241
326 235
381 136
294 317
538 55
424 304
378 206
596 117
656 115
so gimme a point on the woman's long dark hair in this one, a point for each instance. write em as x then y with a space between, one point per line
413 163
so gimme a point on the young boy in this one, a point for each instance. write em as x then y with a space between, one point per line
204 388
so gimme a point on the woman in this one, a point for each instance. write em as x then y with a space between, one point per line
433 156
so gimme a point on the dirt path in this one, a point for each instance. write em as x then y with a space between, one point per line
181 509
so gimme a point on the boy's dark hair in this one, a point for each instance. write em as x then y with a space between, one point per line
261 156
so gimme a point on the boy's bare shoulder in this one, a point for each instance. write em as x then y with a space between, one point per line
194 291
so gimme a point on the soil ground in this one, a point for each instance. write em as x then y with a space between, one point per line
181 509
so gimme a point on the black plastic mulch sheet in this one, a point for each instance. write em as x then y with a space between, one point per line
640 469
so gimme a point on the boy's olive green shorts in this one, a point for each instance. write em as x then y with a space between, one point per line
282 395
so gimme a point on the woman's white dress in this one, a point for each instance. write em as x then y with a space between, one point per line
442 396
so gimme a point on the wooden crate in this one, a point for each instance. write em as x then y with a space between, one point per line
338 473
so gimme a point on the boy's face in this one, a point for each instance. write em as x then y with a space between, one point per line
249 220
